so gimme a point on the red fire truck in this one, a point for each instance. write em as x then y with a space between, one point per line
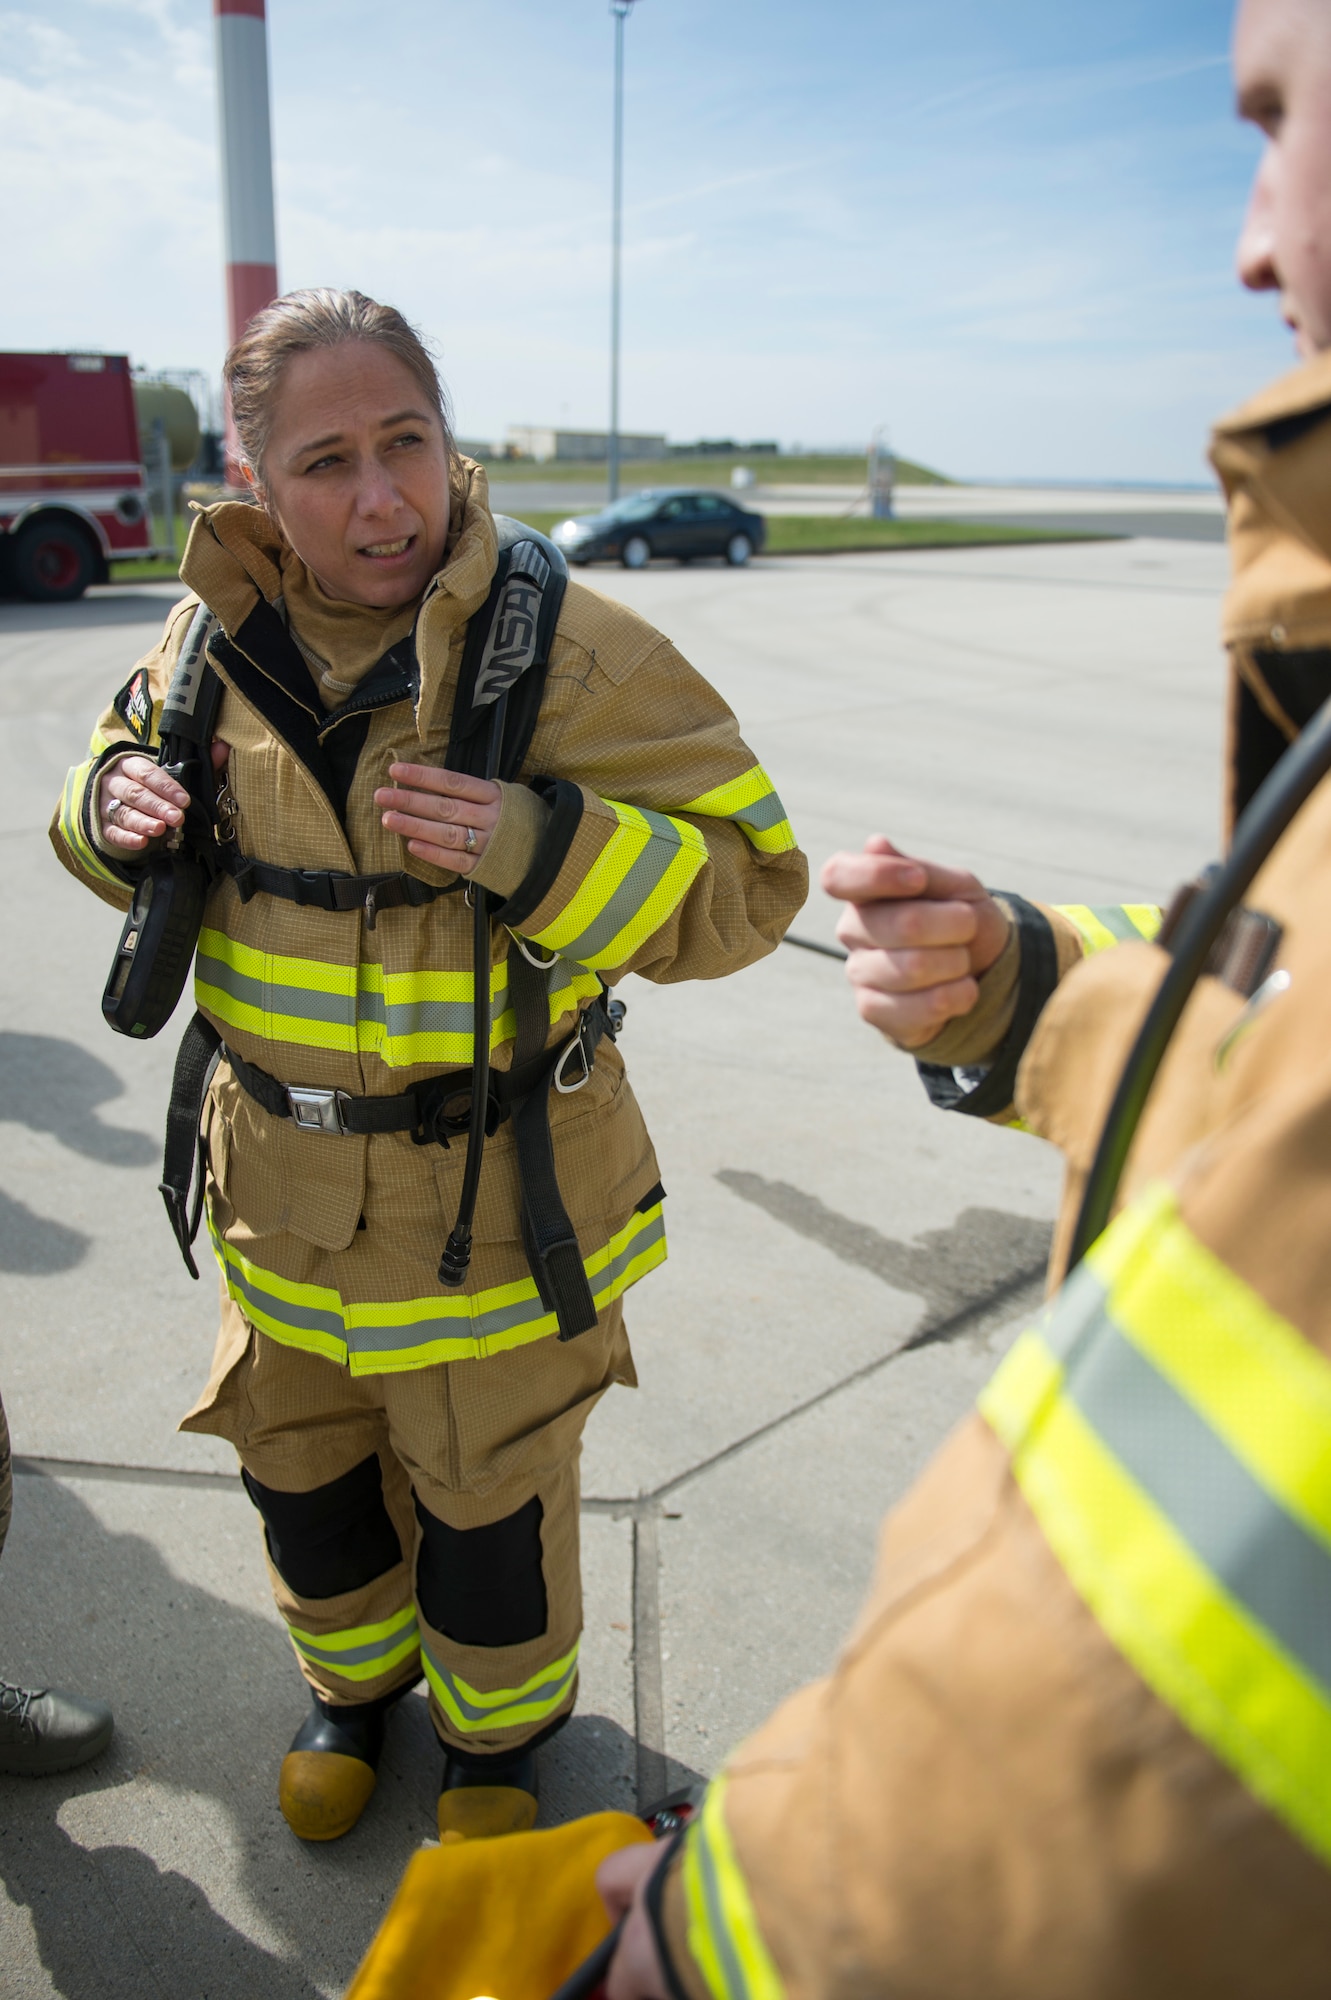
74 492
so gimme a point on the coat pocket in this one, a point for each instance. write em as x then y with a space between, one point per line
277 1178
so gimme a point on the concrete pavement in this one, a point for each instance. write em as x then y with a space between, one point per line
846 1265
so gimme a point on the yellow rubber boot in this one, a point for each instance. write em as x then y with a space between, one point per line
328 1774
487 1796
322 1793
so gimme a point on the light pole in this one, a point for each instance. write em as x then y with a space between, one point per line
621 9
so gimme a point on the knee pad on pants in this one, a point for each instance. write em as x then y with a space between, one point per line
335 1538
483 1586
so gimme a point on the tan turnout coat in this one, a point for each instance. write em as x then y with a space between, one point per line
673 860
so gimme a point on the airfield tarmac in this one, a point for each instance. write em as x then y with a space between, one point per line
846 1265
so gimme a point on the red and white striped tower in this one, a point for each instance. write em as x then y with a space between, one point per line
247 169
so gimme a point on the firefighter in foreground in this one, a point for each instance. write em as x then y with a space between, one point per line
1079 1743
412 1442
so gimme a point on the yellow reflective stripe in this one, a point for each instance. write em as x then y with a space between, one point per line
752 802
1259 1384
76 840
305 1316
1172 1435
1145 918
402 1017
401 1335
1106 924
472 1710
723 1935
635 883
361 1652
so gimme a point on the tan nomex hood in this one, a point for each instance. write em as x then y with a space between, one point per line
236 554
1272 457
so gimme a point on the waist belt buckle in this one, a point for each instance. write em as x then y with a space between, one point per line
576 1046
317 1110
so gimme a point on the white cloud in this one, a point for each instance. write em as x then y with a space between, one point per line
1022 269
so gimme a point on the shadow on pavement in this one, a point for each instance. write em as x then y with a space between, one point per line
986 1250
166 1866
33 1245
55 1086
112 1923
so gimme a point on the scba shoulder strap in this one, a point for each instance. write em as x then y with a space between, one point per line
507 648
504 663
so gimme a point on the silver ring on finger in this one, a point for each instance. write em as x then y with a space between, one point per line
116 807
469 844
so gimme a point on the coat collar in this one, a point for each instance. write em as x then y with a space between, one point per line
1273 455
234 559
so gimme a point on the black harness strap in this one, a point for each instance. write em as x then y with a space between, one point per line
329 889
183 1164
548 1236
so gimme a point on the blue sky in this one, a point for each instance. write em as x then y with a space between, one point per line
1005 231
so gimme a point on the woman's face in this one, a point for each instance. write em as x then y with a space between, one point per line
356 473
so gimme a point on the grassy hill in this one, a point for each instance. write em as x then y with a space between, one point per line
785 469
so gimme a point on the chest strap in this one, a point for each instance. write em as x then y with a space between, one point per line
433 1112
328 889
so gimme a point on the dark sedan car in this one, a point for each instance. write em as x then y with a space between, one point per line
664 521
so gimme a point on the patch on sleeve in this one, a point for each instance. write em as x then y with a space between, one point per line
134 705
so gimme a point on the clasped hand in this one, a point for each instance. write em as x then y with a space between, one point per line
919 937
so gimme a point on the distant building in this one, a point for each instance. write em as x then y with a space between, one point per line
725 448
578 447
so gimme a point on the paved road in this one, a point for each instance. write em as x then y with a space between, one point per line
845 1264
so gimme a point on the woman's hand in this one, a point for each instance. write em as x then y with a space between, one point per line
137 802
635 1971
919 936
435 811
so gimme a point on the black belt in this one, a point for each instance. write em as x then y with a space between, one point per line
431 1112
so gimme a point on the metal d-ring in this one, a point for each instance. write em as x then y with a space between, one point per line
575 1047
541 964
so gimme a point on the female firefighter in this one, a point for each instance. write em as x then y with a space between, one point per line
411 1437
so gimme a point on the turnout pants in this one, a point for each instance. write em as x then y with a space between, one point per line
423 1521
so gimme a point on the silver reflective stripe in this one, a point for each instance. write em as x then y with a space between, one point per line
300 1002
1116 921
309 1319
459 1325
737 1985
763 813
642 879
1264 1557
541 1691
1075 1316
642 1239
427 1017
354 1656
